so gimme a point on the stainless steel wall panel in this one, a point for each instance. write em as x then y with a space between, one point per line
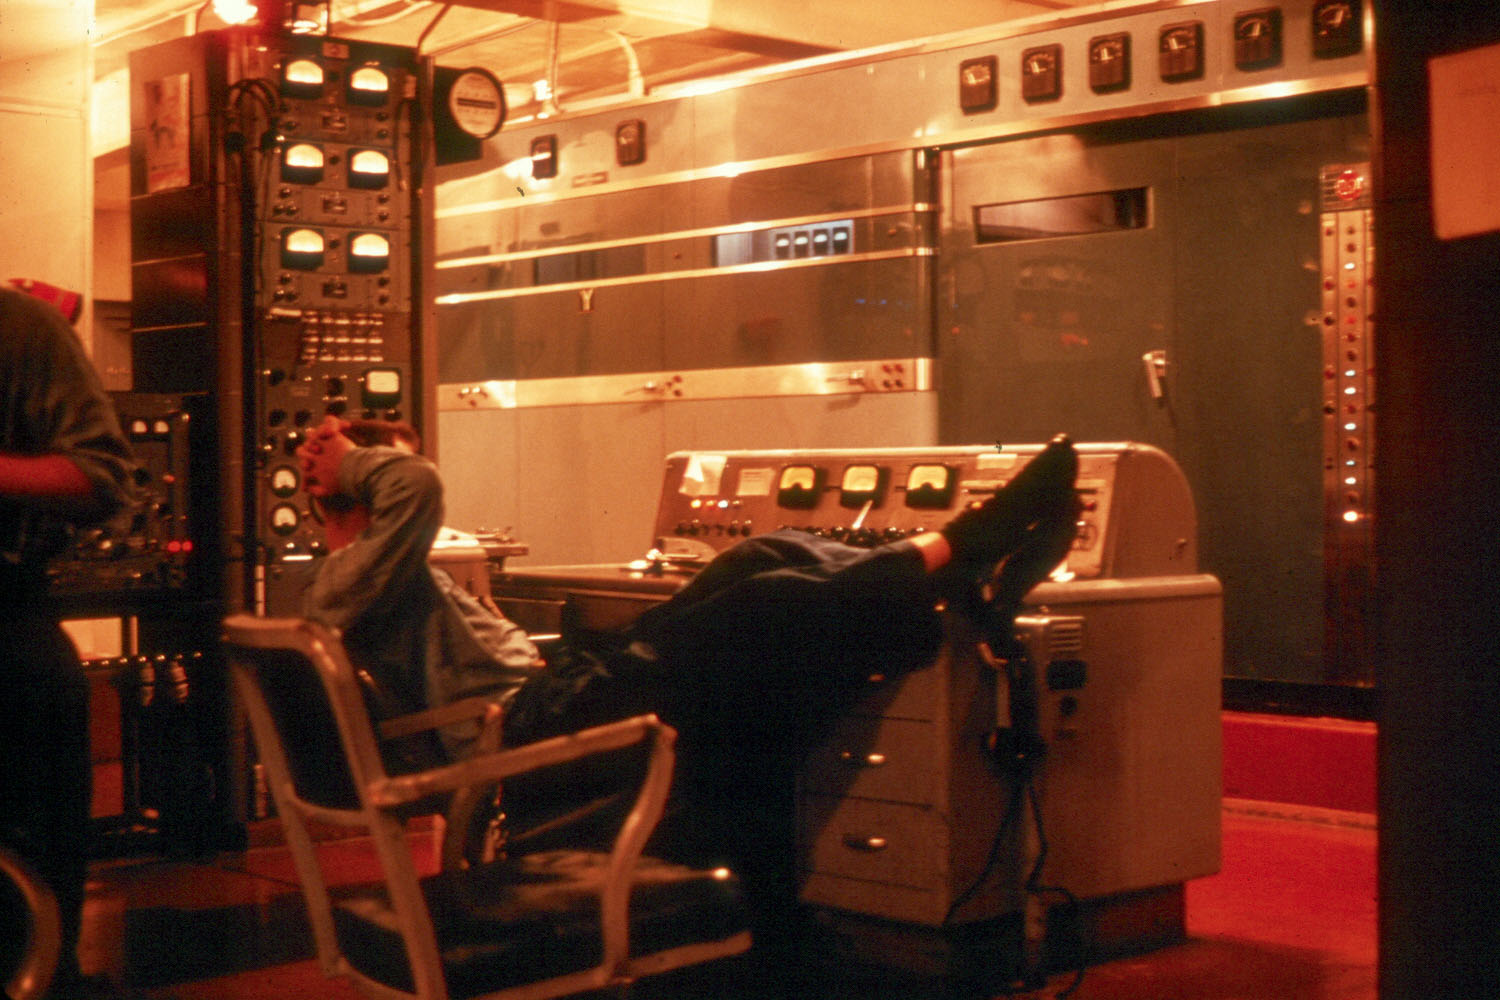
837 312
484 474
859 420
905 97
554 334
579 484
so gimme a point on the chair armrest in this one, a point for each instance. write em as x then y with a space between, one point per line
490 768
651 797
37 961
433 718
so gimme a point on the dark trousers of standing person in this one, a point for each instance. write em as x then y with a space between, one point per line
45 770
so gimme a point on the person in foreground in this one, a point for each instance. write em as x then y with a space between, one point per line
750 661
63 463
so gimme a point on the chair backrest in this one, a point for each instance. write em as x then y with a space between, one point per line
318 748
299 673
552 923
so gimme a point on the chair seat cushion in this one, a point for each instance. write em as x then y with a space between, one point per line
533 917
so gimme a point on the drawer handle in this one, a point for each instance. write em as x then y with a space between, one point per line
868 844
861 760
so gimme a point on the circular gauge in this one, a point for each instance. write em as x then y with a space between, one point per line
284 481
476 101
284 519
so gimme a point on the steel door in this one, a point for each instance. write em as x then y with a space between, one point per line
1055 292
1197 328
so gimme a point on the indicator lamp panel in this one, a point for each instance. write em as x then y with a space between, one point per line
1348 342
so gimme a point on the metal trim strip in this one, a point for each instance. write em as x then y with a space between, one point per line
822 378
458 298
916 208
147 261
945 140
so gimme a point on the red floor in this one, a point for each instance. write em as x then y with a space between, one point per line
1290 917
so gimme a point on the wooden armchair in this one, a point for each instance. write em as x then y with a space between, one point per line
547 924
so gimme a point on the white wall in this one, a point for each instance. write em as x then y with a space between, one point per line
46 169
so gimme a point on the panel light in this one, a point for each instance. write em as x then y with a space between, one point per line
302 78
368 168
303 249
302 163
369 84
368 252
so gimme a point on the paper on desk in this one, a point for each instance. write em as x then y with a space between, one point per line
702 475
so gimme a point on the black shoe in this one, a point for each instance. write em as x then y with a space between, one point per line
983 536
1047 543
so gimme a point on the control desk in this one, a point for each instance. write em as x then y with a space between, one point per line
903 812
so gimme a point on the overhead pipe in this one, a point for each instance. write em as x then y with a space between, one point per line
550 106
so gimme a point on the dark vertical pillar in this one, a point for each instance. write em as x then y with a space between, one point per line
1437 538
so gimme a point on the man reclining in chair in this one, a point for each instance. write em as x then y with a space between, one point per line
749 661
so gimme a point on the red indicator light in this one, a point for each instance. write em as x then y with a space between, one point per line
1349 185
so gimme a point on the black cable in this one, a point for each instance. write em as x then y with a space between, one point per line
1034 884
992 860
1021 761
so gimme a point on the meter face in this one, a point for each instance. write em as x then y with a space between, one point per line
798 477
799 486
930 486
284 519
863 484
284 481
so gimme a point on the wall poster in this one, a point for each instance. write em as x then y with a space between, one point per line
168 136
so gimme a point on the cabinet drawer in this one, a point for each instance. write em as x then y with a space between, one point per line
874 841
914 696
892 759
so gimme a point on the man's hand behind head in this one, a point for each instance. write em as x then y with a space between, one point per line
320 456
